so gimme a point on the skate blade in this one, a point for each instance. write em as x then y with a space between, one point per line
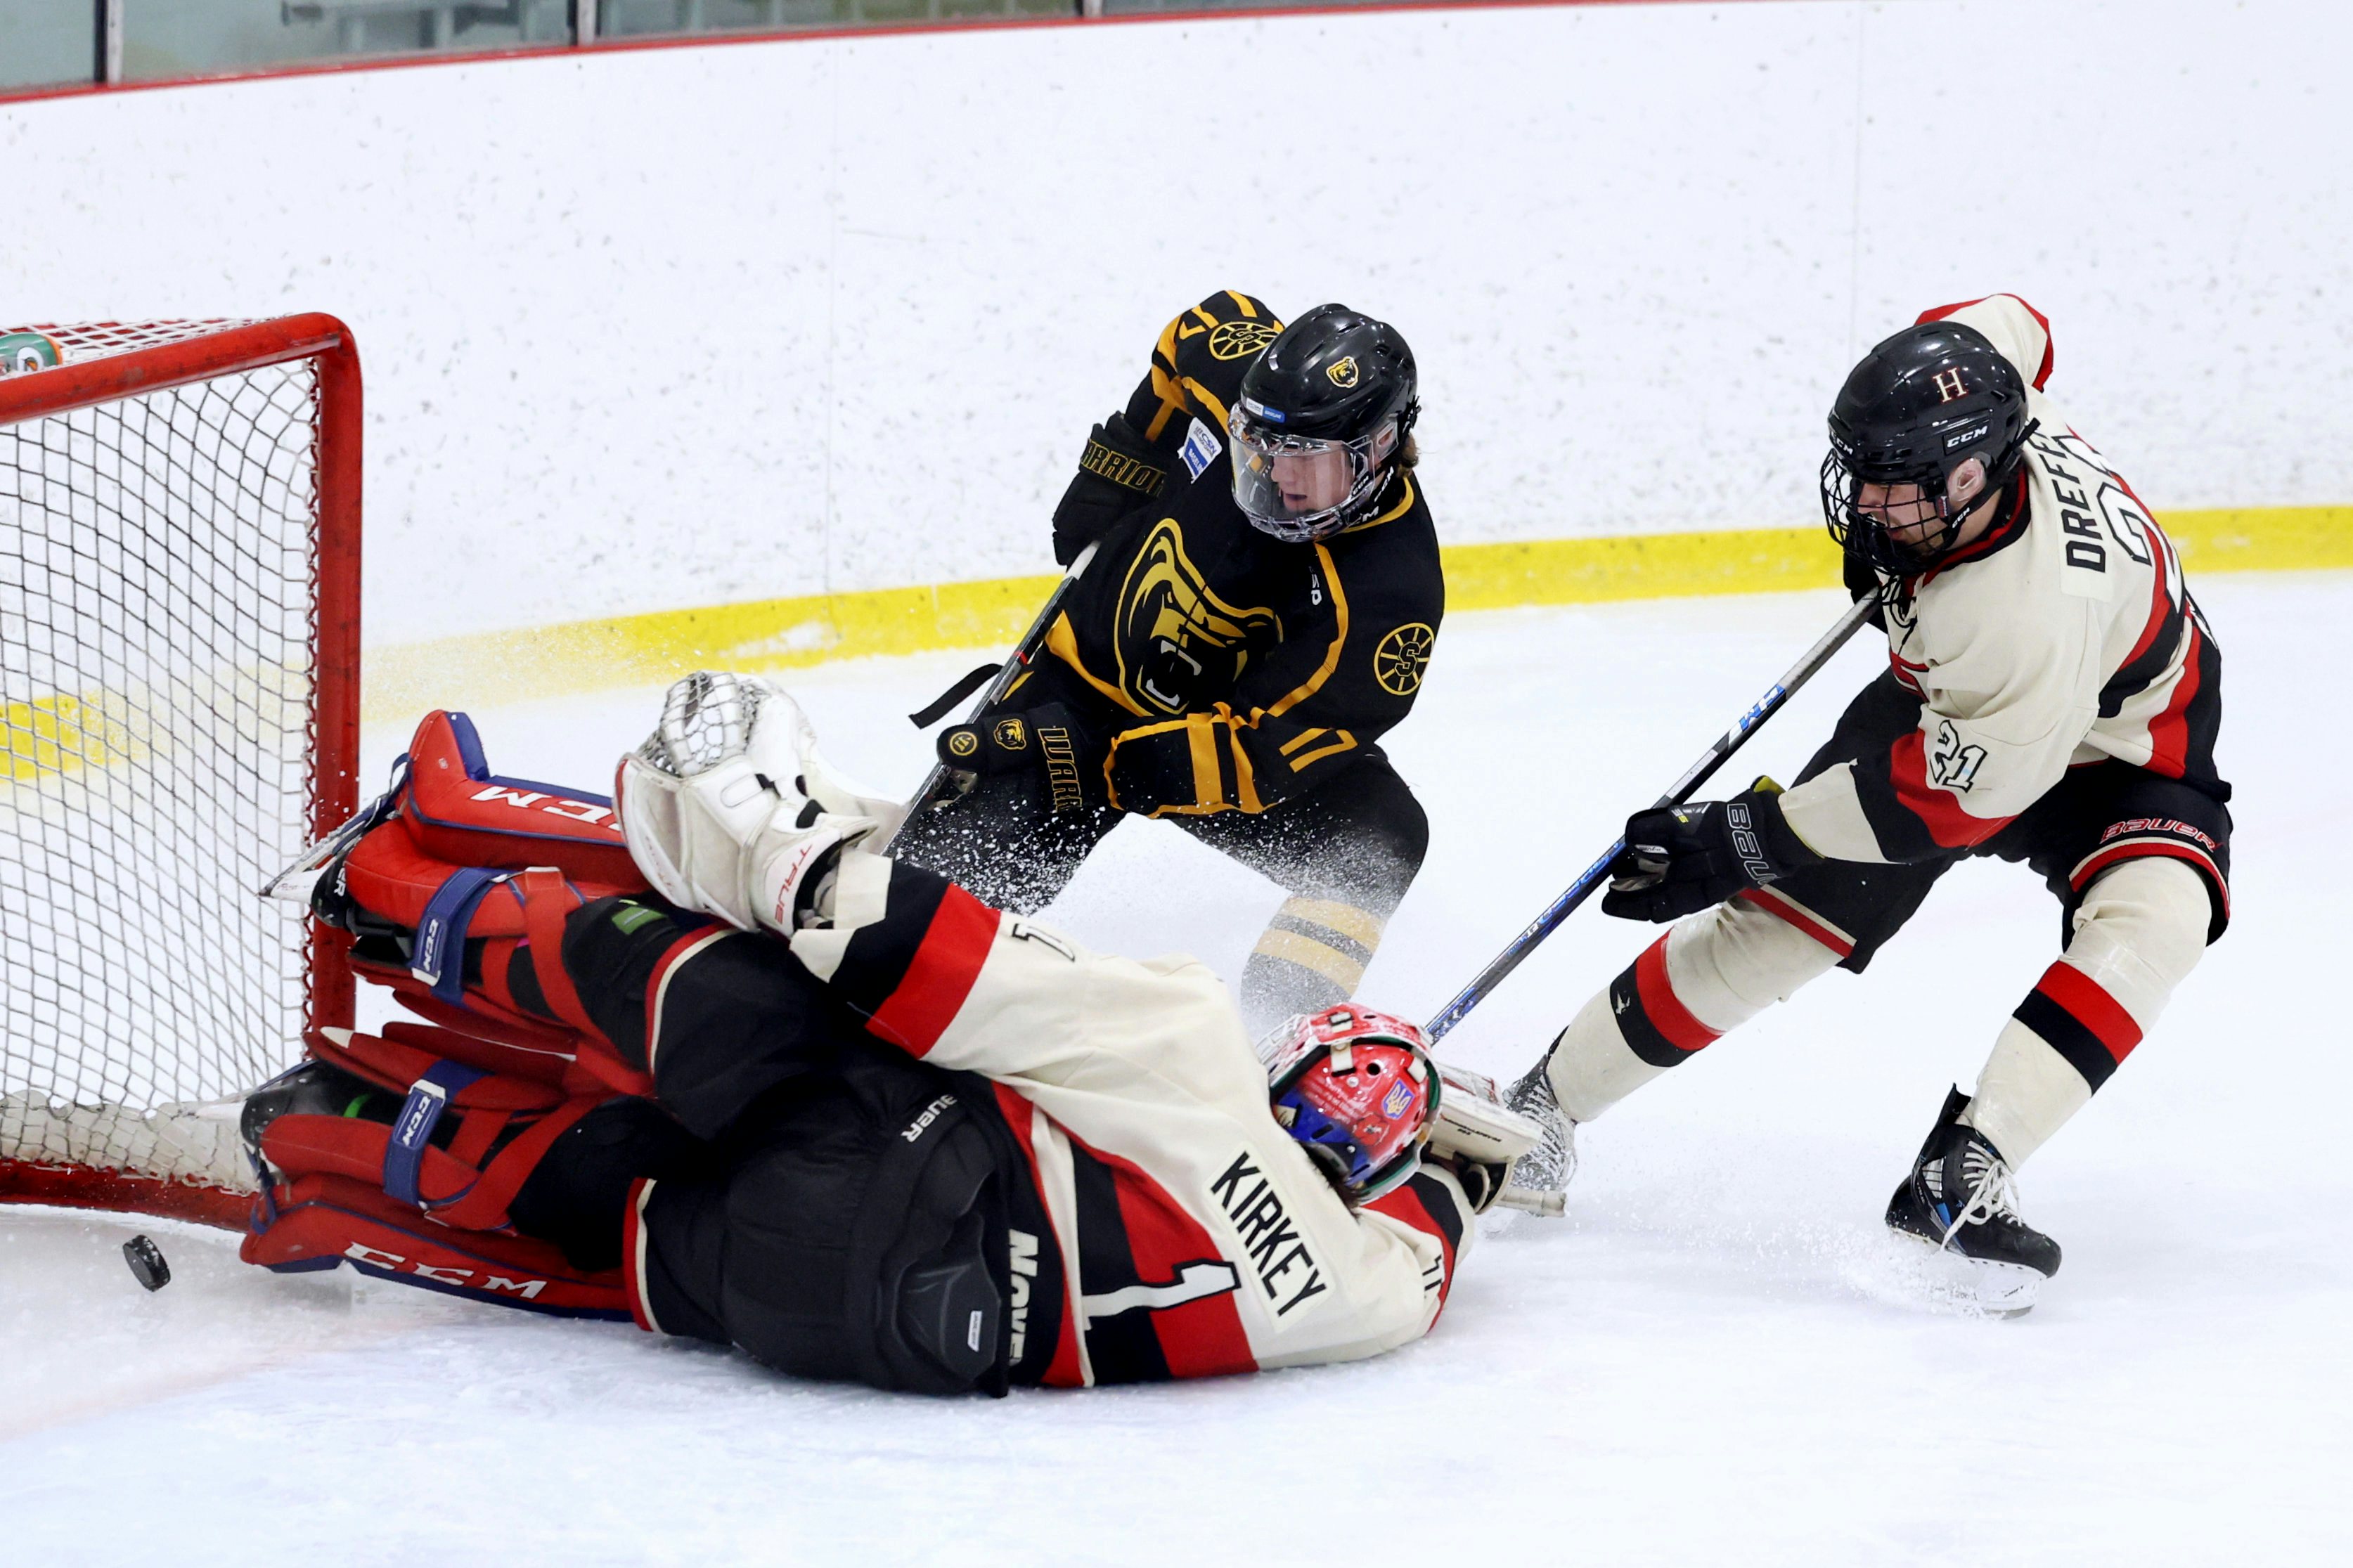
1972 1286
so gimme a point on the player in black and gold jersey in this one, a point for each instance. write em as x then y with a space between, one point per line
1258 612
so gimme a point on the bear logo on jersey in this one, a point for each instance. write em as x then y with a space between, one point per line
1401 657
1174 633
1239 340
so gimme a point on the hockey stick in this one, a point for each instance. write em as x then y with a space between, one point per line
1698 773
936 783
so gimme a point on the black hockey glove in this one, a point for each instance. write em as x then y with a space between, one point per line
1060 758
1118 472
1679 860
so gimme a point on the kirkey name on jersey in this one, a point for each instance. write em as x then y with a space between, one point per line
1286 1272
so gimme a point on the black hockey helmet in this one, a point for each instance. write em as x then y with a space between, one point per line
1919 405
1321 419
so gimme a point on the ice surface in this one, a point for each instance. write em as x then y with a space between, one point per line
1714 1358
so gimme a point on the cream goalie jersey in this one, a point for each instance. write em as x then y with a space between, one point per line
2069 638
1181 1209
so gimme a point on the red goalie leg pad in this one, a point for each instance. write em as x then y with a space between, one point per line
518 1079
391 876
319 1221
515 912
460 812
457 1144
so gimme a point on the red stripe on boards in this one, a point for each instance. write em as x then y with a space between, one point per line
940 976
2089 1005
1667 1014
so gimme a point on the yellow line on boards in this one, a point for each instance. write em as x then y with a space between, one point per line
489 669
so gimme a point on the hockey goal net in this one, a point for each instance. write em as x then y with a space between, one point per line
179 682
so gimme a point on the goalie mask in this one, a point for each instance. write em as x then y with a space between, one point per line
1321 424
1357 1090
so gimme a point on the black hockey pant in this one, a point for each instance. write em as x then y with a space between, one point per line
846 1216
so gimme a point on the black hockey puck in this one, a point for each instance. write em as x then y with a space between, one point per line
147 1265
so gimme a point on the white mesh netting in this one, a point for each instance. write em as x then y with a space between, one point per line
158 615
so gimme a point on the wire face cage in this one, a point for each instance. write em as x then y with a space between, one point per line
179 580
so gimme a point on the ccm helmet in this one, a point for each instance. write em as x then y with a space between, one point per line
1359 1092
1918 406
1321 419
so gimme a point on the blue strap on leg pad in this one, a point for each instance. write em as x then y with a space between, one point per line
440 959
412 1130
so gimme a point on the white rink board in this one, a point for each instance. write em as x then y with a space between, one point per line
1707 1362
680 327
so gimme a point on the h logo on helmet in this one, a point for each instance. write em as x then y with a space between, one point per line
1949 383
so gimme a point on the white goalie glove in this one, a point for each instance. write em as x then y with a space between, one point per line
729 807
1481 1136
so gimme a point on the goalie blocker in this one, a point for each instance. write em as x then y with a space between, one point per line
620 1107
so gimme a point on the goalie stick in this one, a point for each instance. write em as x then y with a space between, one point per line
936 784
1698 773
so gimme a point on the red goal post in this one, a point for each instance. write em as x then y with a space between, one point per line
179 681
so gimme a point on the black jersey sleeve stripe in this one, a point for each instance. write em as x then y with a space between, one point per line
1438 1200
876 958
2139 672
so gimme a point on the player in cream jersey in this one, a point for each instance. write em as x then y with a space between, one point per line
2052 697
2070 638
697 1057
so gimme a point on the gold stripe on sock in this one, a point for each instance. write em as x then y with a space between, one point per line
1308 954
1362 925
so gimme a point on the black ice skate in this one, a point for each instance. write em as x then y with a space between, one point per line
1961 1199
311 1088
1538 1184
